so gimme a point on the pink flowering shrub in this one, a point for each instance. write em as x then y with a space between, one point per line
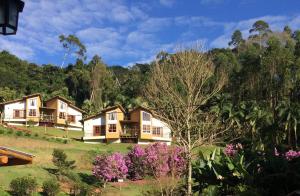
157 156
110 167
289 155
231 150
177 161
135 162
156 160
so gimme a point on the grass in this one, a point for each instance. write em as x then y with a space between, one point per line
82 153
42 149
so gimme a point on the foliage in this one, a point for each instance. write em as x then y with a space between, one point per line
59 159
135 160
51 187
226 170
23 186
110 167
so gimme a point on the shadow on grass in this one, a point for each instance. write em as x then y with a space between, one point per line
90 179
51 170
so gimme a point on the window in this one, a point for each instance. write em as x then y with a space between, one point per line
146 116
19 114
157 130
71 118
62 105
99 130
112 128
112 116
32 112
32 102
96 130
62 115
146 129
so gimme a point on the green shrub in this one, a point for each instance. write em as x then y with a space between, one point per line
31 123
36 135
2 131
51 187
28 134
81 189
10 131
19 133
23 186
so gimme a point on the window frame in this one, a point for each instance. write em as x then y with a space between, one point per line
112 114
114 129
147 129
144 114
73 118
63 116
32 113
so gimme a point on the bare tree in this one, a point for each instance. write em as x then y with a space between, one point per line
179 89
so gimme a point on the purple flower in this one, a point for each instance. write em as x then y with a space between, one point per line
290 155
110 167
230 150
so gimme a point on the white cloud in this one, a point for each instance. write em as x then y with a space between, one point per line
211 1
167 3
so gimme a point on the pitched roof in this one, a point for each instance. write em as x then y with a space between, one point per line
106 110
21 99
15 157
71 104
141 108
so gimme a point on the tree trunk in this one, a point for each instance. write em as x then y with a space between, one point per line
189 176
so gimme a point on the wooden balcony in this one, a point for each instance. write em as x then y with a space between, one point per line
47 118
129 133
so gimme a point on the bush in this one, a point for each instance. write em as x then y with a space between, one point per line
10 131
36 135
2 131
19 133
110 167
51 187
59 159
28 134
81 189
135 160
23 186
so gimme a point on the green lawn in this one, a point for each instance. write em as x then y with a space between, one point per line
42 150
82 153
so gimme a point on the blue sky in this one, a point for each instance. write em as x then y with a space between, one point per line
134 31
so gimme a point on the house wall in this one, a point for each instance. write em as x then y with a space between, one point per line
146 136
9 111
166 130
78 117
120 116
53 104
89 124
65 110
36 107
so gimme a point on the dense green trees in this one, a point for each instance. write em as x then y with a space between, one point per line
261 96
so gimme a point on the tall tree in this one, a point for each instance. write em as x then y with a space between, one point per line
177 90
72 45
262 29
236 38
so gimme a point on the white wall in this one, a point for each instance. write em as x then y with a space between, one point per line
77 114
90 123
33 107
9 110
166 130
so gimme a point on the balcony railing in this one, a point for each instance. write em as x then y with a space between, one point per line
46 118
130 132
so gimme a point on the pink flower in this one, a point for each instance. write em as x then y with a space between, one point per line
230 150
290 155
